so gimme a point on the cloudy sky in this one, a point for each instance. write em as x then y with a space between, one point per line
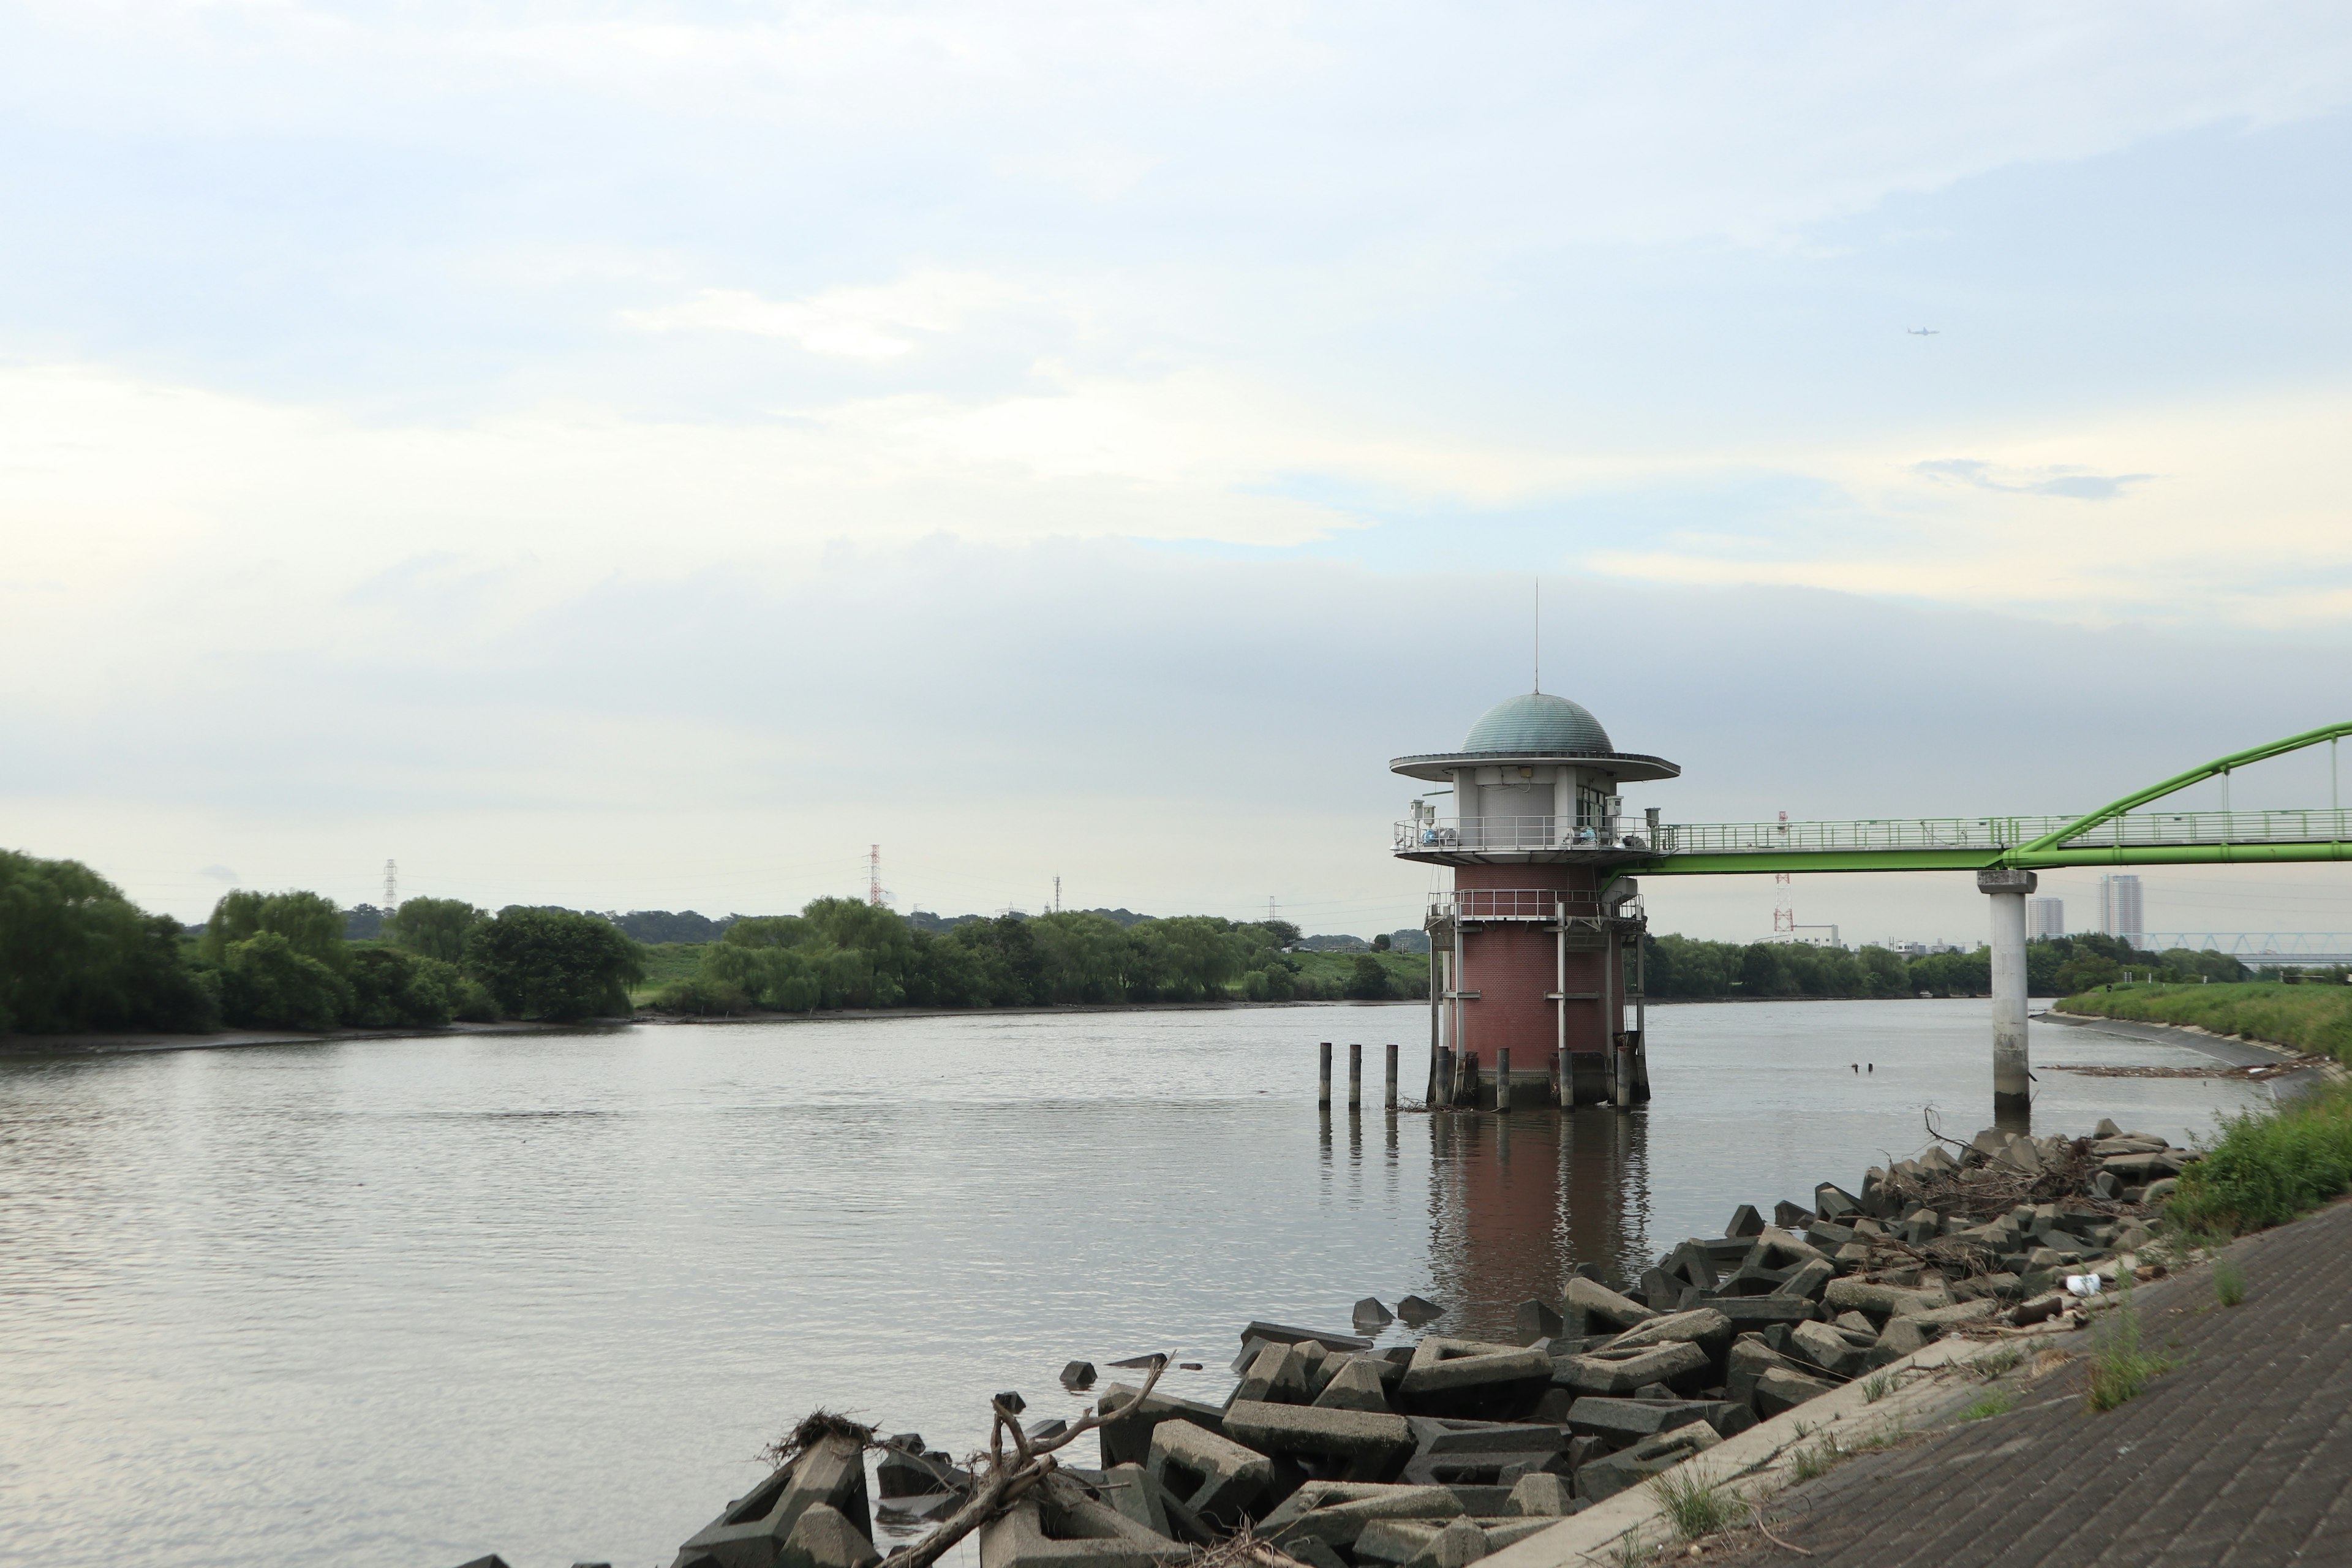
637 455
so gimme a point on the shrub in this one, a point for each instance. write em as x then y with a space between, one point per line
2267 1168
391 988
2229 1282
703 996
266 985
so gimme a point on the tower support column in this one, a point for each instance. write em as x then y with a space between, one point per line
2012 1085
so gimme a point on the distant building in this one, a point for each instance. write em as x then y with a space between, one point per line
1808 936
2044 917
2119 909
1918 948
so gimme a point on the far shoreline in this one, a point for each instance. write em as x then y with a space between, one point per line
36 1046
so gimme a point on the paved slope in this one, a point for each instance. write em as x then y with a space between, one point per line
2240 1457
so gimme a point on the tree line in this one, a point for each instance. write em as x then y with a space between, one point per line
1685 966
77 955
841 952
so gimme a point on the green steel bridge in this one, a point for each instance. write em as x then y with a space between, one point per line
2118 834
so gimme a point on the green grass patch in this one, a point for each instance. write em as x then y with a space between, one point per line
2313 1016
1695 1500
1999 1402
2229 1282
1816 1460
2267 1167
1877 1387
2120 1365
1996 1362
667 962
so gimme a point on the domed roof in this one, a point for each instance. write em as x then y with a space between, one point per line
1538 724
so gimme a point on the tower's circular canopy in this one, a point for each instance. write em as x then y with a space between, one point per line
1538 728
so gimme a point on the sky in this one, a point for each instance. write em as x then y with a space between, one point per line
635 456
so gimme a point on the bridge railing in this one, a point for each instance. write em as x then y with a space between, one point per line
2152 828
1886 833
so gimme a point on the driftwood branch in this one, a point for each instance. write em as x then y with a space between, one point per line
1775 1540
999 1483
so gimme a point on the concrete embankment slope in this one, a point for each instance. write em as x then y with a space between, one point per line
2240 1455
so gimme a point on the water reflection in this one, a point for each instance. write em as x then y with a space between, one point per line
1516 1202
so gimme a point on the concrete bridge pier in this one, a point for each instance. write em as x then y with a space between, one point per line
2012 1085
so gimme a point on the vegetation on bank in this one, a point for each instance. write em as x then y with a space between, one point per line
2267 1167
75 955
1681 966
2308 1015
840 953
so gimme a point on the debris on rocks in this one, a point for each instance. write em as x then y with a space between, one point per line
1333 1453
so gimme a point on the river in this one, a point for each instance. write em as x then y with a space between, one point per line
402 1302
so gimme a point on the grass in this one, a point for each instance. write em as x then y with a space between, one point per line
1999 1401
1695 1500
2267 1167
1632 1553
1817 1460
2120 1366
2315 1016
666 962
1877 1387
2229 1281
1994 1364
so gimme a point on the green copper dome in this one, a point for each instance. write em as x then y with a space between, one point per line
1538 724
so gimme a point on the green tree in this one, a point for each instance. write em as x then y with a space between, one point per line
553 965
2085 972
267 984
1883 972
435 927
75 954
311 922
1366 980
392 989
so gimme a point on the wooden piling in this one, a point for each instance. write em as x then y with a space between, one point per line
1355 1074
1323 1083
1445 1070
1392 1078
1503 1079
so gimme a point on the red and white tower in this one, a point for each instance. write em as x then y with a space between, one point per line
1536 948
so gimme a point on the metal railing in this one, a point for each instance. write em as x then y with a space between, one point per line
1503 834
1916 833
2147 829
1526 904
2168 829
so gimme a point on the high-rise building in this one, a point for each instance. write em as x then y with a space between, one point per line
2119 914
2044 917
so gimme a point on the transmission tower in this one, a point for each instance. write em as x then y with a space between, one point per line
1058 895
1784 918
874 875
391 886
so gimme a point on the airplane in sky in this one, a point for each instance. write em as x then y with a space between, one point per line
1921 331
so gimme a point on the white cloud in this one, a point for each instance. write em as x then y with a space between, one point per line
870 323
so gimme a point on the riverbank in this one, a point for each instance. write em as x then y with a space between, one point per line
2235 1454
2313 1018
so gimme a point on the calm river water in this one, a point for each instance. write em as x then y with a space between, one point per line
401 1302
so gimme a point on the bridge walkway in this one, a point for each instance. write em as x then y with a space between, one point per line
2240 1457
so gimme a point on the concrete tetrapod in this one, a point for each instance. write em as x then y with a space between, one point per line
752 1532
1214 1476
1335 1512
1059 1525
1372 1446
824 1539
